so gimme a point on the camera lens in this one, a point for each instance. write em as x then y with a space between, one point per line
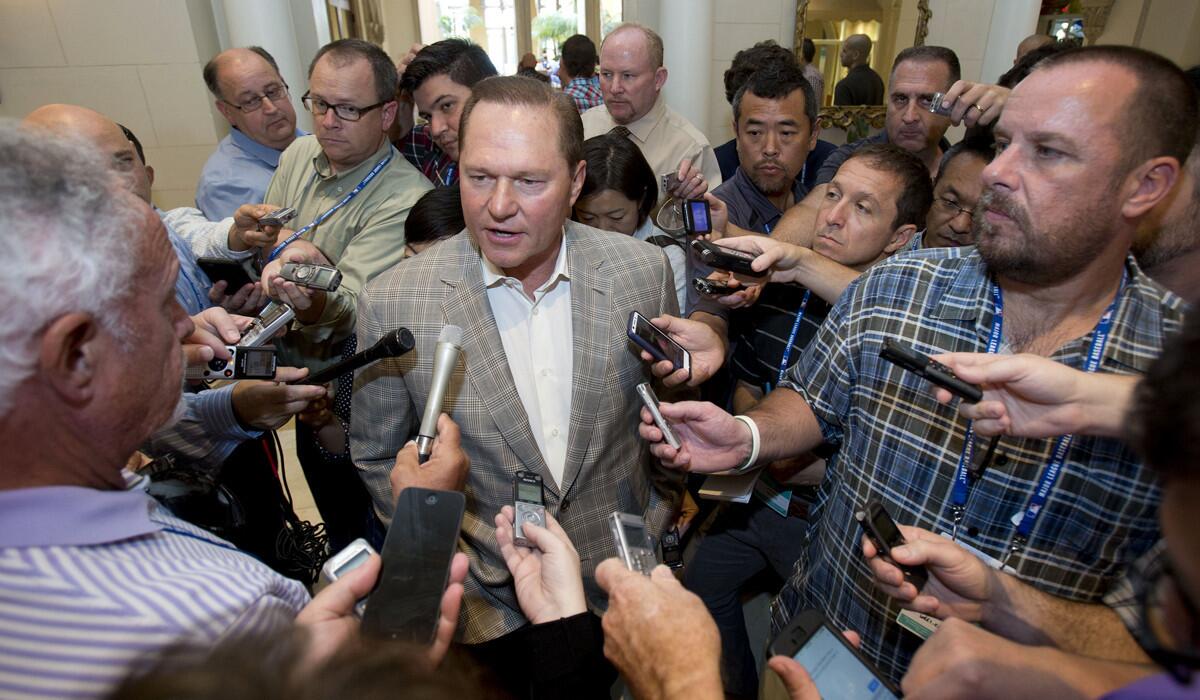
430 499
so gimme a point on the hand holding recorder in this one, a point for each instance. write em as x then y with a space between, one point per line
546 571
257 225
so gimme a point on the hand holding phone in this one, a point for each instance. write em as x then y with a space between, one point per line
655 341
837 669
879 527
723 258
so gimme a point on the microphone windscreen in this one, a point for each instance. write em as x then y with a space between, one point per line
452 335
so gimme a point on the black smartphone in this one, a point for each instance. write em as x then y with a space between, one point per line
234 273
902 355
697 218
655 341
879 527
724 258
417 552
672 549
836 667
712 288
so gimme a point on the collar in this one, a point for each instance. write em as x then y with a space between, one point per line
494 276
579 81
759 201
358 172
645 126
266 154
52 516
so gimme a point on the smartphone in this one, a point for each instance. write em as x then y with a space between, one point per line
269 321
656 342
712 288
902 355
724 258
234 273
279 217
836 667
244 363
322 277
528 505
353 556
632 540
879 527
417 552
646 392
937 105
672 549
696 217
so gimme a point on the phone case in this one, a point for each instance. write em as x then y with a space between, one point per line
803 626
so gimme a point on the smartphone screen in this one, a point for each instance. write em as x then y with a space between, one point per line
651 336
699 215
420 544
836 671
885 527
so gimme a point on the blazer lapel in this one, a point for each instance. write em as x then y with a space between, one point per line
591 329
486 364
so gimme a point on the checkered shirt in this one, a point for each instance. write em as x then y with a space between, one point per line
899 445
585 92
420 149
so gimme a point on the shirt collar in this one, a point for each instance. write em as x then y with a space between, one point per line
358 172
266 154
72 516
645 126
493 276
762 205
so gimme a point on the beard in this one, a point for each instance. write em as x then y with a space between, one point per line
773 186
1037 257
1175 238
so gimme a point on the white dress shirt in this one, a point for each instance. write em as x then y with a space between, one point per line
538 343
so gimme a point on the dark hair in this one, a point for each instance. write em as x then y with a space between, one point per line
747 61
931 53
137 145
1164 420
977 147
776 82
436 215
462 61
1022 68
345 51
211 69
616 163
1164 98
916 189
808 50
579 56
517 91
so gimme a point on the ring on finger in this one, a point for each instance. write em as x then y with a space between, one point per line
981 109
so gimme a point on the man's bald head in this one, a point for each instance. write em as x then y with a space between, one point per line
651 41
244 76
101 132
1031 42
856 49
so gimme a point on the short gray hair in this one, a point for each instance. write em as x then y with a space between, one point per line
67 237
654 42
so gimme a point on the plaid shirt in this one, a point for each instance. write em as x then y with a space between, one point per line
585 92
901 446
418 148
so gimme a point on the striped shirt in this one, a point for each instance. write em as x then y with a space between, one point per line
899 445
585 93
94 583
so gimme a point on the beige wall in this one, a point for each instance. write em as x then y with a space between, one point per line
137 61
1169 27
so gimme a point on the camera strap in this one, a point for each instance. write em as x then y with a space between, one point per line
330 211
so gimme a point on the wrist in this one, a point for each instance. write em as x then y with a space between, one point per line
236 244
1105 402
755 446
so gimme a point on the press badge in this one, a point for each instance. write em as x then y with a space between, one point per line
917 623
987 559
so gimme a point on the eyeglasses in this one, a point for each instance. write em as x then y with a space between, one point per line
274 93
952 206
1160 591
344 112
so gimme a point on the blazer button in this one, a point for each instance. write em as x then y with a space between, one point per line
566 503
1001 459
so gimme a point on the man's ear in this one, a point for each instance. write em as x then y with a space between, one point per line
577 180
225 110
389 114
900 238
1147 185
150 174
69 356
660 78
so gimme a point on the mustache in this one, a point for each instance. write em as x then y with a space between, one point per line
999 202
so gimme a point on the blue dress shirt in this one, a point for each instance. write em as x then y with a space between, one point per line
237 173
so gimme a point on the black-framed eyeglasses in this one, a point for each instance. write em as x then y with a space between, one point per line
1158 588
952 206
275 93
345 112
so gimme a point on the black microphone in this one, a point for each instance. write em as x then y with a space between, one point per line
445 357
392 344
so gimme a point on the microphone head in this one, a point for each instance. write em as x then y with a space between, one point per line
396 342
452 335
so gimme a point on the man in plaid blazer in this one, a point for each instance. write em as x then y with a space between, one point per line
519 252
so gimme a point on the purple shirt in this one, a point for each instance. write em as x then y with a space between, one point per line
94 583
1159 687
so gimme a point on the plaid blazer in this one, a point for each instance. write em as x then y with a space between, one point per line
608 467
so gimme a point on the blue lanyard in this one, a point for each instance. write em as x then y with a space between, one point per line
1050 474
329 212
448 177
787 349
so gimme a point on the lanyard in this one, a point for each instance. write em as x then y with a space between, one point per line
447 178
329 212
787 348
1049 477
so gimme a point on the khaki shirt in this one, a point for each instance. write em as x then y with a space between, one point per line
665 138
363 238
